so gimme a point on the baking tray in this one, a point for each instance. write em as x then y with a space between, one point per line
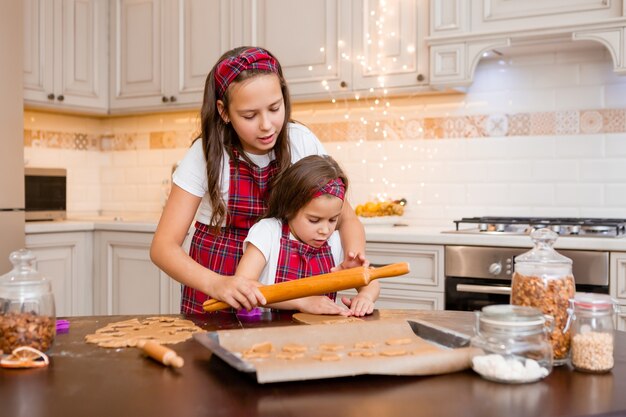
421 358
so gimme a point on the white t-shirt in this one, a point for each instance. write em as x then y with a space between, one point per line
191 173
266 234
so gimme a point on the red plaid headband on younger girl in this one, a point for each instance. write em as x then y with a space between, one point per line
252 58
334 187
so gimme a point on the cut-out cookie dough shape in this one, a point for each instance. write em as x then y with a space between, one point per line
164 330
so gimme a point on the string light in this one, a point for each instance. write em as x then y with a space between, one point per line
376 65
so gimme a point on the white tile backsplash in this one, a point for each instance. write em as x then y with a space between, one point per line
570 174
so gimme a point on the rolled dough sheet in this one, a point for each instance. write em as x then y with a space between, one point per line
164 330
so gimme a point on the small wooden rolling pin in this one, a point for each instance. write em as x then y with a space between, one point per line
161 353
320 284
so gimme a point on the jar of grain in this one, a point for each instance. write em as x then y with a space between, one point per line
514 344
543 279
592 327
27 316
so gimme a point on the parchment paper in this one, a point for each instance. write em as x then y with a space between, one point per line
424 358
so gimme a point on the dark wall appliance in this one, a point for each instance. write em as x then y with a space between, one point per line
46 193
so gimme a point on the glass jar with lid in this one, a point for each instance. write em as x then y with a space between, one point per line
593 331
543 279
514 344
27 315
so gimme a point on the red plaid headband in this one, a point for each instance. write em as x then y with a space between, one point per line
334 187
252 58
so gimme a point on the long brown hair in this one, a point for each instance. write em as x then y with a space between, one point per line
219 137
297 185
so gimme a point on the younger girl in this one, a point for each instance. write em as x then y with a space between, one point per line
247 139
297 237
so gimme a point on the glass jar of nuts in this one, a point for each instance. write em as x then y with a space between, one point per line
543 279
27 316
591 323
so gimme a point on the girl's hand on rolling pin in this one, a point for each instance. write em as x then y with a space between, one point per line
238 292
352 260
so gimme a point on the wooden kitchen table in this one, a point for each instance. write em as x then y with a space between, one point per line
86 380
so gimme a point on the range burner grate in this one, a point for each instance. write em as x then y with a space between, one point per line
567 226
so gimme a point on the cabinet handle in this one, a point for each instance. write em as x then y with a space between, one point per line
165 99
60 98
50 96
343 84
420 77
172 99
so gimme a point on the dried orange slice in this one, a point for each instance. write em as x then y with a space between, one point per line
25 357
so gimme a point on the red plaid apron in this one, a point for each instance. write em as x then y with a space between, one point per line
298 260
220 252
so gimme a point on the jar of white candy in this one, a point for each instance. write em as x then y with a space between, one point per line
515 344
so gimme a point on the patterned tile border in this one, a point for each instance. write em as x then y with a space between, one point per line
568 122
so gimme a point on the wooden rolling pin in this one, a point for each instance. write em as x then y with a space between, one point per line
320 284
161 353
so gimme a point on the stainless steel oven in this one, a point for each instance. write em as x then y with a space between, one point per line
477 276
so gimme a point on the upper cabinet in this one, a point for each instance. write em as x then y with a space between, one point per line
65 54
344 47
461 31
162 50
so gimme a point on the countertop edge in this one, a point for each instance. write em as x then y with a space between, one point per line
419 235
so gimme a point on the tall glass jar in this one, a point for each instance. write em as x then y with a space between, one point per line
27 316
514 344
593 331
543 279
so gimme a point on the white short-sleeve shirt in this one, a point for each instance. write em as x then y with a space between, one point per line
266 234
191 172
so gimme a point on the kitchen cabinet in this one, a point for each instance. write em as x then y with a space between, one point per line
340 50
422 288
621 318
461 31
66 54
126 281
617 277
163 50
66 259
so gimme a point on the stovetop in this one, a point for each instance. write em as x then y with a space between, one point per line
564 226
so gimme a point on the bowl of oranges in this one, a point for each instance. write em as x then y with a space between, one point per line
380 212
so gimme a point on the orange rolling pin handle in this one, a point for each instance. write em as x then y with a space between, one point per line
320 284
161 353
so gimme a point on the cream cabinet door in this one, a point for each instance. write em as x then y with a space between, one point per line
202 32
514 15
65 54
126 280
137 53
310 38
617 276
422 288
388 46
66 259
163 50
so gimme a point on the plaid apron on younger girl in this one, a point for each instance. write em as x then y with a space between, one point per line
220 252
298 260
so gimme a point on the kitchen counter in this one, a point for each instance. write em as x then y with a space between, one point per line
374 233
85 224
86 380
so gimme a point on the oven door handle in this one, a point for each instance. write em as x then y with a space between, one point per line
483 289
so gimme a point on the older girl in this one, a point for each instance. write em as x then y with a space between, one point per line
247 139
